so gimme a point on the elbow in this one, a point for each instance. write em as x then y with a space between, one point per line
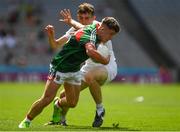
54 46
106 62
98 58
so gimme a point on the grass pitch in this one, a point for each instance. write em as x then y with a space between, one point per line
159 111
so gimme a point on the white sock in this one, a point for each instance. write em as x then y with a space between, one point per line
57 103
99 108
63 118
27 120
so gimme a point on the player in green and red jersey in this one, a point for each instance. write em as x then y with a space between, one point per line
94 74
65 66
74 52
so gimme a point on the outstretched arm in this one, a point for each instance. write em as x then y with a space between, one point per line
66 14
95 55
55 43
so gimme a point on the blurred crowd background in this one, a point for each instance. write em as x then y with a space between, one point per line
147 50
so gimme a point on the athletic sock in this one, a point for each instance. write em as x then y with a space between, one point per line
28 119
63 118
57 103
99 108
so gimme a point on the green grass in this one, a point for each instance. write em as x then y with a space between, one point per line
159 111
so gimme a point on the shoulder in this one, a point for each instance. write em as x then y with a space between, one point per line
92 26
109 45
108 42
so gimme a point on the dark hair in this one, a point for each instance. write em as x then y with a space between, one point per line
86 8
111 23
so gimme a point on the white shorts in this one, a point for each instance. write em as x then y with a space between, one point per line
111 69
70 77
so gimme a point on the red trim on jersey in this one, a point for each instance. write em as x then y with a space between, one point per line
79 34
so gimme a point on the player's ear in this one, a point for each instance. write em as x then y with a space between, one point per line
102 27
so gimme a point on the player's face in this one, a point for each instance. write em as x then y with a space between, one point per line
85 18
105 34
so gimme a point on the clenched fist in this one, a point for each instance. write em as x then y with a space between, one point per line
50 30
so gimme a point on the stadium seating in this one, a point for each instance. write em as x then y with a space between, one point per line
162 18
31 46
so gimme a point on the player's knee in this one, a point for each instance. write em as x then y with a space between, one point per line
89 79
72 104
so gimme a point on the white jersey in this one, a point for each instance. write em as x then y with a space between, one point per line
90 64
111 53
111 66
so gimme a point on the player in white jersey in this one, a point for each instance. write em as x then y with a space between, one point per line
94 74
111 67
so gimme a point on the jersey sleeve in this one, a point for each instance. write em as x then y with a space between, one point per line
87 34
70 31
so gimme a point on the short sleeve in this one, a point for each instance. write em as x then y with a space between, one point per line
88 37
85 35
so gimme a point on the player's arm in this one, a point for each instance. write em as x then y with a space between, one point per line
92 53
66 14
55 43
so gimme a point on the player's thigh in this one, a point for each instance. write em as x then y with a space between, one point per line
83 85
72 92
99 74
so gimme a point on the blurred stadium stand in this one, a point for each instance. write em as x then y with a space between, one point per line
147 49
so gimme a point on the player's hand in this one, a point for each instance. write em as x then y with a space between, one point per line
50 30
66 14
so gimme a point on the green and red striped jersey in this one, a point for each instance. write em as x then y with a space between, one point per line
73 53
